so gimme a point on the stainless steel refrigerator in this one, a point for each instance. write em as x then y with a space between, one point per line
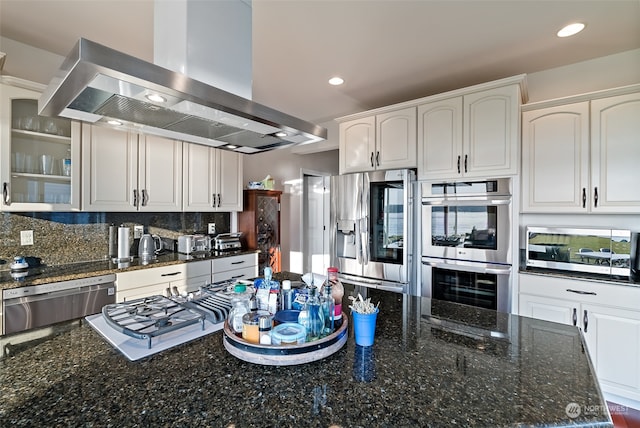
372 219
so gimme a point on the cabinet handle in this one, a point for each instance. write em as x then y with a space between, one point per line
238 263
213 199
219 200
595 196
135 197
372 165
171 274
6 193
584 197
377 158
145 198
575 316
458 164
591 293
585 320
465 163
237 276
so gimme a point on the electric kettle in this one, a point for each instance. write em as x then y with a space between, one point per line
149 246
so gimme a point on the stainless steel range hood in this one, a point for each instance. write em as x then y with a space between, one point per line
100 85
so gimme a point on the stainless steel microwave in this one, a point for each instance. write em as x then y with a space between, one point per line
599 251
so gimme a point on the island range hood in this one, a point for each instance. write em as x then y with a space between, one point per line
103 86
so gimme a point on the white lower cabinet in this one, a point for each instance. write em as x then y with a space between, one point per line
186 277
235 267
607 314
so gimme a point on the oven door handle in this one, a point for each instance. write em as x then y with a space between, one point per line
467 201
493 270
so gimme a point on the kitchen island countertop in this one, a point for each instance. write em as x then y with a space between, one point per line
433 364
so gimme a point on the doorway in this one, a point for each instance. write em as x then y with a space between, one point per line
315 222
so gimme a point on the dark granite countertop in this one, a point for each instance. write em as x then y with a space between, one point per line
433 364
46 274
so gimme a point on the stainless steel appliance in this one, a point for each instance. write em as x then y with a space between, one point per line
372 228
33 306
189 244
599 251
466 242
467 220
97 84
480 284
227 242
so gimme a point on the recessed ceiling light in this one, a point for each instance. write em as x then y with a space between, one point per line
281 134
114 122
335 81
571 29
156 98
231 146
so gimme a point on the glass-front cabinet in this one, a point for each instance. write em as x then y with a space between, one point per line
38 167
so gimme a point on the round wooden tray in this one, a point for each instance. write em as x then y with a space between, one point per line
285 355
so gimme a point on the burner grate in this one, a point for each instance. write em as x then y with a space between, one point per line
150 317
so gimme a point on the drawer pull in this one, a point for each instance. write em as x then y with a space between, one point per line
171 274
590 293
575 316
237 276
585 320
238 263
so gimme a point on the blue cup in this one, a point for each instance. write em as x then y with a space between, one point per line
364 327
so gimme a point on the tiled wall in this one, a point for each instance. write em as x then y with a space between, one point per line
62 238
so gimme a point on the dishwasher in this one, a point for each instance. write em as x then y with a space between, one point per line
30 307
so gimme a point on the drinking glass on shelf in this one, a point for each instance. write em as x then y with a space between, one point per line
46 164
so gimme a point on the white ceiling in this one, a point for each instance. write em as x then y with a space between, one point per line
387 51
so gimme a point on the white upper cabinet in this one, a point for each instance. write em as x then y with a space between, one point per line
126 172
582 157
615 154
39 156
472 135
555 158
440 137
212 179
383 141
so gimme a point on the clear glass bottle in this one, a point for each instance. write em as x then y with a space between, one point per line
316 317
328 308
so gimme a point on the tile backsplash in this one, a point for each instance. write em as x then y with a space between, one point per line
63 238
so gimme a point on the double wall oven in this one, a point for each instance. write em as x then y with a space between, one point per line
466 243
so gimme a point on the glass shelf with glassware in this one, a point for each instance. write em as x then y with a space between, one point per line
40 170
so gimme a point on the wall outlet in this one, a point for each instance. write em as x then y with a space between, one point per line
212 229
26 237
138 231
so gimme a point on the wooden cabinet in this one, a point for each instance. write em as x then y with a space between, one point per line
235 267
582 157
185 277
259 223
33 150
212 179
383 141
609 316
473 135
123 171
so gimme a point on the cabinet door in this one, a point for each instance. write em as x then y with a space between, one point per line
544 308
32 152
109 169
159 174
357 145
491 132
555 159
229 177
396 139
613 339
615 151
440 139
199 190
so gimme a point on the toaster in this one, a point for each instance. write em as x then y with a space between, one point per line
188 244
